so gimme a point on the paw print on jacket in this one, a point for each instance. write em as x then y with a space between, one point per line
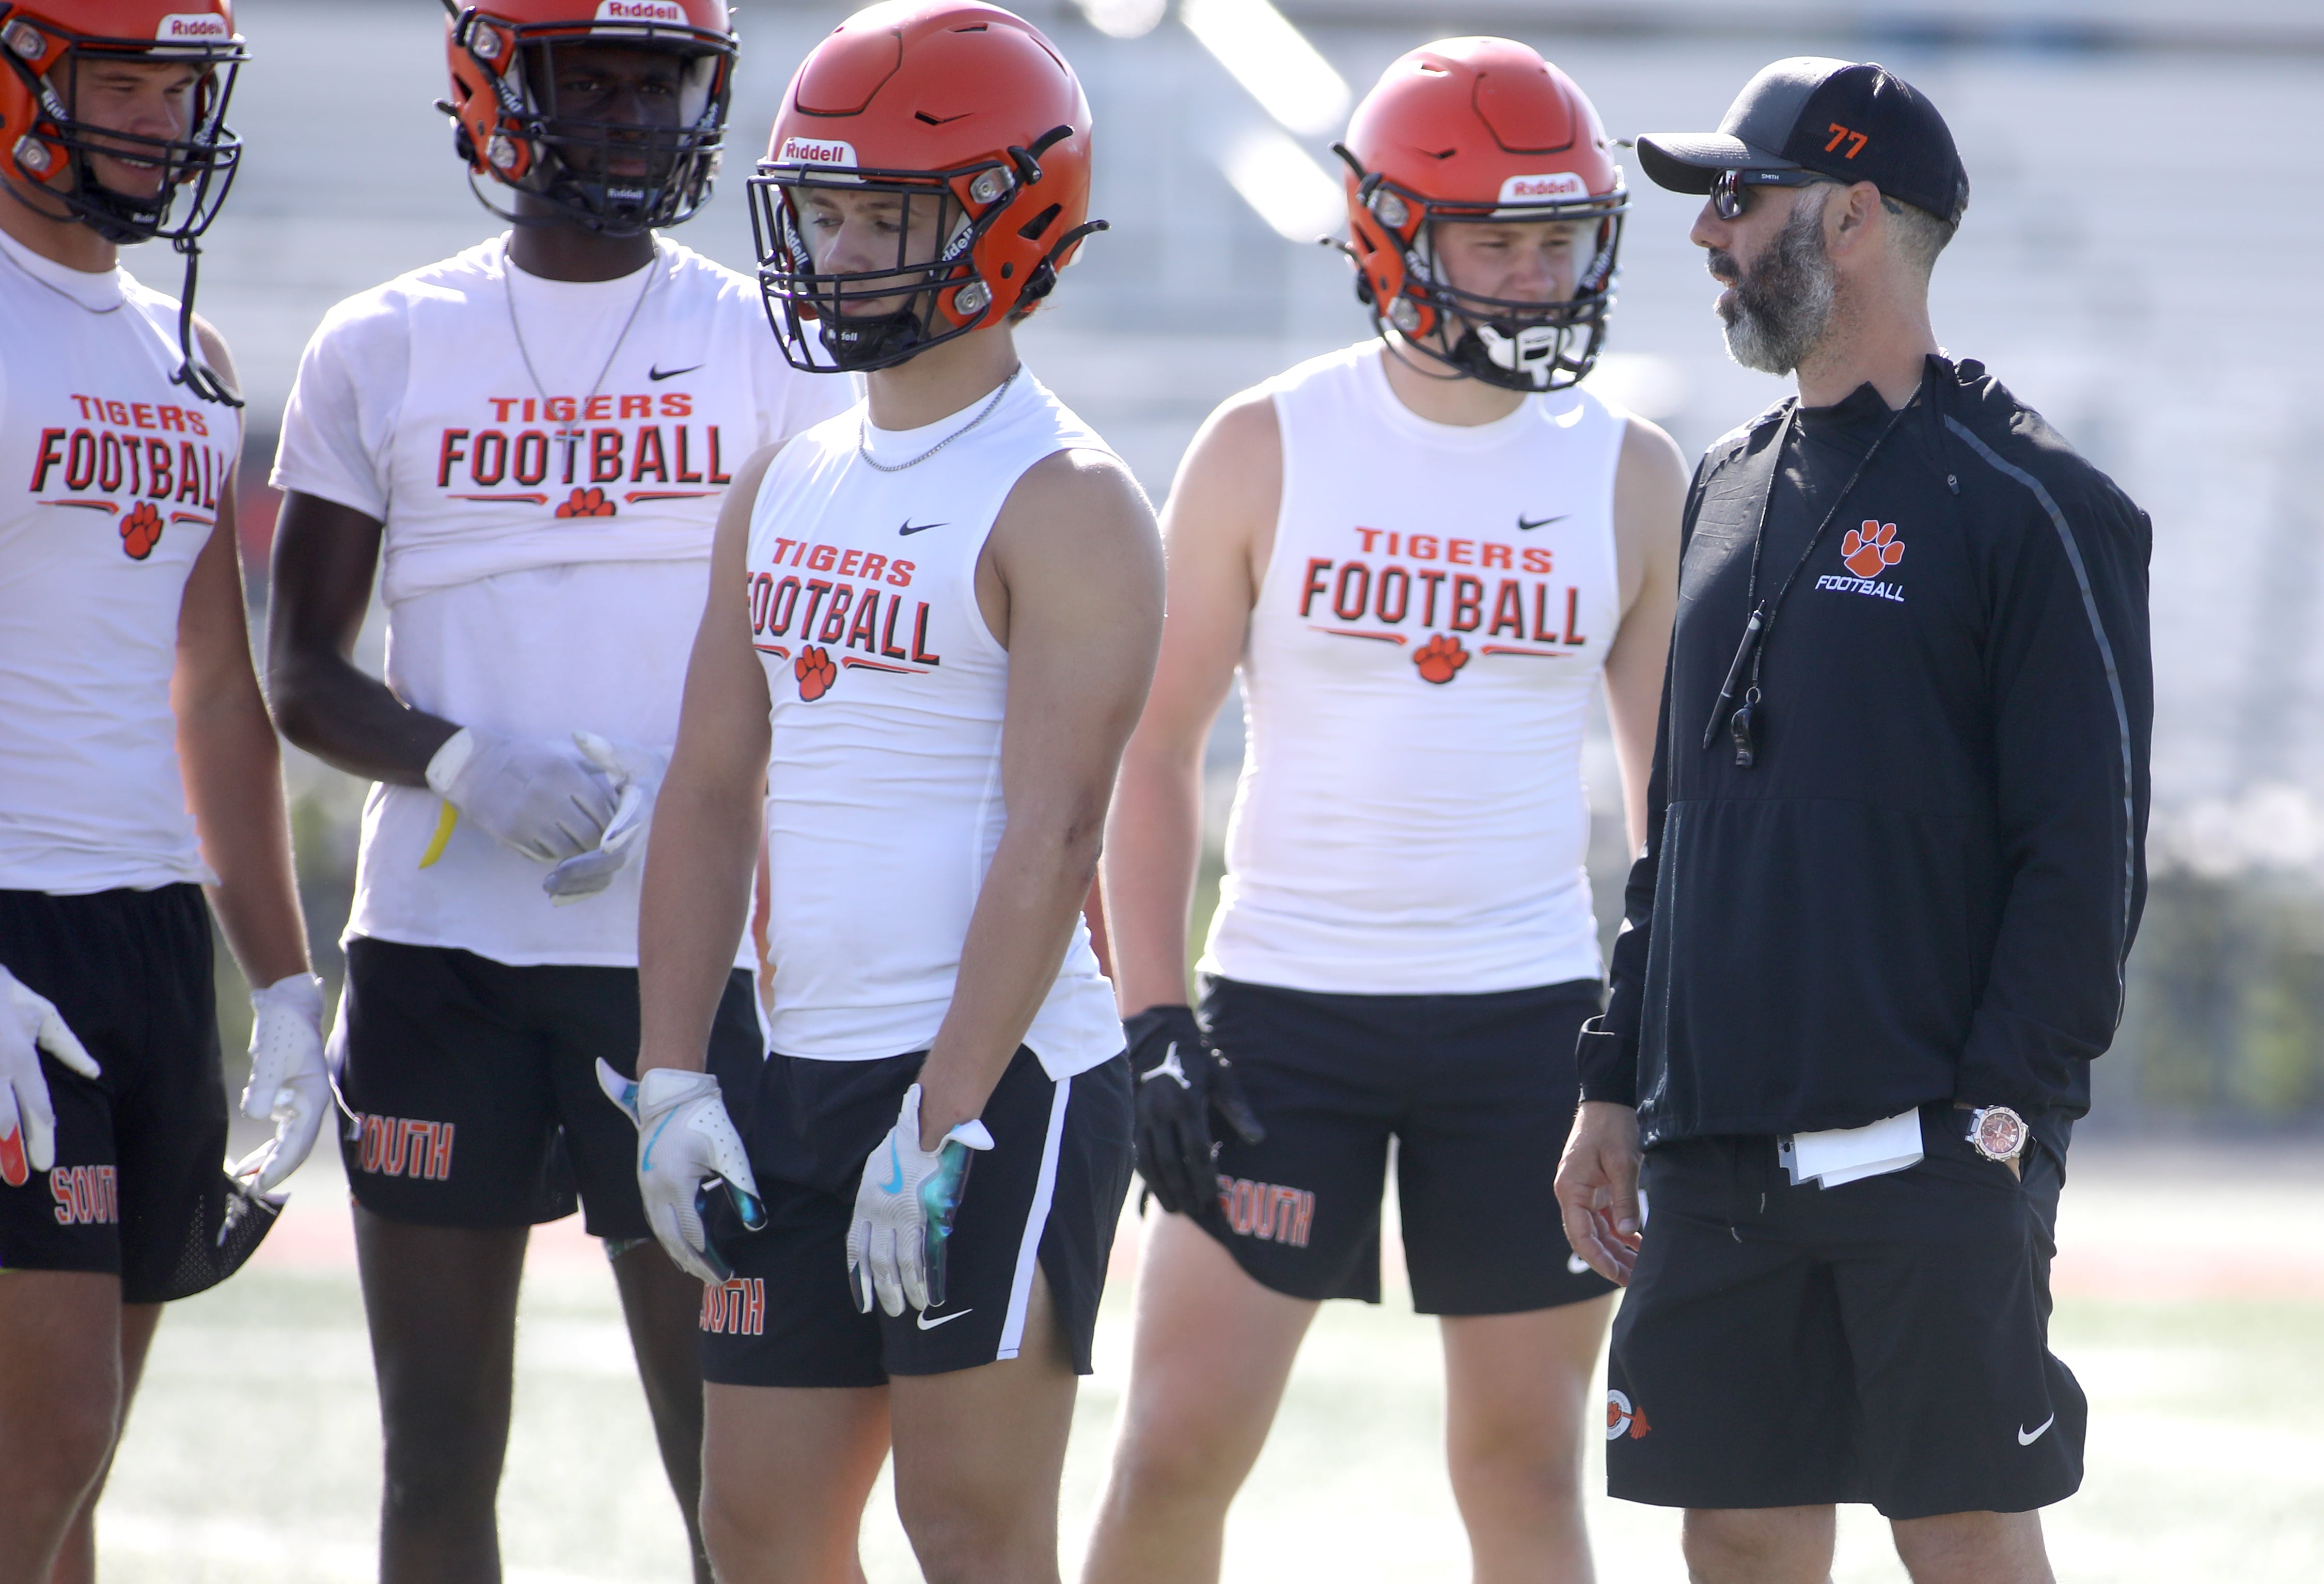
1872 550
140 530
1440 659
815 673
589 502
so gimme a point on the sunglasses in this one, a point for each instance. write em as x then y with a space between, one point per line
1729 199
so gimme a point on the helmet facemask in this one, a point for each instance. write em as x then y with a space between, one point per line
932 290
1518 344
199 164
620 176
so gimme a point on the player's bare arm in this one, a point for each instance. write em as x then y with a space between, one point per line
703 850
227 744
1649 497
1071 584
1218 528
326 556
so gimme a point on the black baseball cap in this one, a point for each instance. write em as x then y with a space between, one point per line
1838 118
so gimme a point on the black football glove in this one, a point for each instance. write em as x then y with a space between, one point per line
1181 1079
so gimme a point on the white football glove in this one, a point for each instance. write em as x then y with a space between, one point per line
28 1025
288 1083
542 800
636 774
904 1212
685 1140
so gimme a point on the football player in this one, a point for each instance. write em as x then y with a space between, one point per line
525 446
1426 555
137 765
931 625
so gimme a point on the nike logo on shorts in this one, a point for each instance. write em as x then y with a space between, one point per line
2026 1438
926 1324
1525 527
658 373
912 527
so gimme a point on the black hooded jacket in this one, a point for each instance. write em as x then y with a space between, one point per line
1925 886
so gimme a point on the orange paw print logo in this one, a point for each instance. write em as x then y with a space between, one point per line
591 502
140 530
815 673
1440 659
1872 550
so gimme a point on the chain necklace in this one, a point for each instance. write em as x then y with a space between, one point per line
862 430
571 435
25 271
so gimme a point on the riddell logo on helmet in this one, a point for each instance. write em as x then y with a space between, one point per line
196 24
641 11
813 151
1552 184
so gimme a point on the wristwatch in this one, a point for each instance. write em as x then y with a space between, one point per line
1997 1132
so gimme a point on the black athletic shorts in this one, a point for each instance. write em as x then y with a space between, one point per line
139 1189
1884 1341
1477 1090
471 1087
1050 1190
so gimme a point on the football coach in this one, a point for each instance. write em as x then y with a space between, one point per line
1878 931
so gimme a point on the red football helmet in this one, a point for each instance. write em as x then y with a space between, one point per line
509 125
1468 129
47 150
950 101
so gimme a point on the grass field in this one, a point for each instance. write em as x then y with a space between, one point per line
2191 1305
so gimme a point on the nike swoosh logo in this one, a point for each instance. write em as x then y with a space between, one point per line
1525 527
658 373
1577 1264
645 1159
910 527
928 1325
895 1183
2026 1438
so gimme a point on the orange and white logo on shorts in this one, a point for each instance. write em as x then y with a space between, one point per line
1624 1417
737 1306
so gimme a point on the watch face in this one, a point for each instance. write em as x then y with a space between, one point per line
2000 1133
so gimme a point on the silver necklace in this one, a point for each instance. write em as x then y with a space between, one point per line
862 430
51 286
571 436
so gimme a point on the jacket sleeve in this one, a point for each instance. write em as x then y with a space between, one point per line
1607 1052
2070 680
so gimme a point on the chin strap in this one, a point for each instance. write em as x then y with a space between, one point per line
196 374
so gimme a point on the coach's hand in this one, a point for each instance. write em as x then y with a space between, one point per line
1181 1079
686 1142
904 1212
636 774
288 1083
28 1025
542 799
1597 1188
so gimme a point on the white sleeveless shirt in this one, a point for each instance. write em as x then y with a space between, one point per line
884 802
114 476
546 554
1421 659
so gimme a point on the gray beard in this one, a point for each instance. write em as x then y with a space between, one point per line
1780 308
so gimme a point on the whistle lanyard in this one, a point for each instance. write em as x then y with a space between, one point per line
1745 721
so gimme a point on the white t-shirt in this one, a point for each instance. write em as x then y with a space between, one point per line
547 551
1421 659
884 803
115 475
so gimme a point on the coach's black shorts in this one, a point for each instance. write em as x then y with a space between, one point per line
139 1189
473 1089
1049 1192
1478 1091
1884 1341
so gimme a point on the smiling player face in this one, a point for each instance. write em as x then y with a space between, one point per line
138 99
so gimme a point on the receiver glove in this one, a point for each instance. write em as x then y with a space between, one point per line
1181 1079
542 800
636 774
288 1083
904 1212
686 1142
28 1025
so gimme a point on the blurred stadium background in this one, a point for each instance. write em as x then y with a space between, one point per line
2138 262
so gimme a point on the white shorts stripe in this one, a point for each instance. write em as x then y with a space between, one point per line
1037 1220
